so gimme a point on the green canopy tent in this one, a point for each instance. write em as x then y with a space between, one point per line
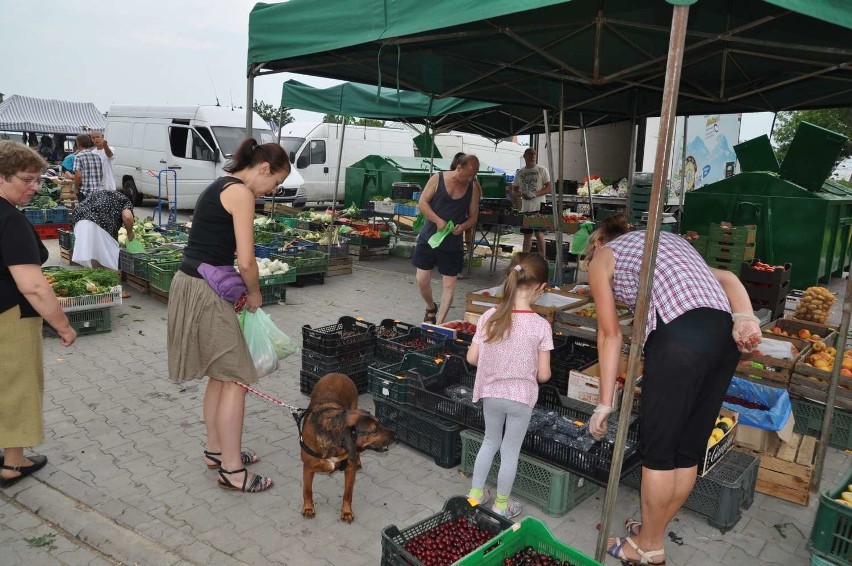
635 57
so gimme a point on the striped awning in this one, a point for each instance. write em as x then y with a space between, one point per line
46 116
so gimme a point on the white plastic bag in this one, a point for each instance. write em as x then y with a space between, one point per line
259 343
281 343
776 349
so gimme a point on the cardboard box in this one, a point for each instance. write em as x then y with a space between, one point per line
584 384
760 440
450 333
715 452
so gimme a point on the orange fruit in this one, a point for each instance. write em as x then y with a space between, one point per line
846 372
804 333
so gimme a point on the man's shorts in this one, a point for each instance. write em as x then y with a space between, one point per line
450 263
532 230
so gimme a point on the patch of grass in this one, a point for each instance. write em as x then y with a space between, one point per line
42 541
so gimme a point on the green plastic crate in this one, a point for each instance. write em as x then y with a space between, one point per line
831 535
809 415
272 294
744 235
553 489
310 262
390 382
735 252
424 432
161 274
278 278
529 532
95 321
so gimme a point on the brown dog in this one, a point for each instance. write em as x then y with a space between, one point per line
334 433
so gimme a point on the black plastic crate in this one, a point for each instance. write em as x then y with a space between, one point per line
308 380
394 539
425 433
390 328
272 294
433 399
457 348
723 492
394 349
391 381
311 278
348 335
404 190
350 363
574 354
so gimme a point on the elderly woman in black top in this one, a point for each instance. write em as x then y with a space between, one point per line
25 299
96 222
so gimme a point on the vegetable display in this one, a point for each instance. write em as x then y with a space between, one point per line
79 282
145 231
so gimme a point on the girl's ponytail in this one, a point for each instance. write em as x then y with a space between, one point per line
526 270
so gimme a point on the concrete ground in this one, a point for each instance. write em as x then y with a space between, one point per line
125 482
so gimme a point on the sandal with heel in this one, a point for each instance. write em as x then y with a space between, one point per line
633 527
431 314
247 457
258 483
616 550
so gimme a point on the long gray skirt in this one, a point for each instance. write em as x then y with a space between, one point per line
204 335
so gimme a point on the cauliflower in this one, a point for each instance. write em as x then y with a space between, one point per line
264 272
122 239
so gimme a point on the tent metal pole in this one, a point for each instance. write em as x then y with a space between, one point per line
634 140
588 170
557 206
336 181
549 159
772 127
250 101
680 16
682 173
840 345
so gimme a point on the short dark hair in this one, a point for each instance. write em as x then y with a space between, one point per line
16 157
84 141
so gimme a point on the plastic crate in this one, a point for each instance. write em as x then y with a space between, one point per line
161 274
88 302
425 433
831 535
734 252
574 354
457 347
92 321
66 240
272 294
341 249
265 250
278 278
34 215
405 210
350 364
308 380
390 328
50 231
556 491
348 335
394 539
736 235
356 239
394 349
530 532
404 190
817 560
57 215
302 280
310 262
390 382
809 415
142 261
723 492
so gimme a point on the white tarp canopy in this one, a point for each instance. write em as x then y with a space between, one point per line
47 116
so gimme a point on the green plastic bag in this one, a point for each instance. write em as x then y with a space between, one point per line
418 223
581 238
135 246
439 236
259 343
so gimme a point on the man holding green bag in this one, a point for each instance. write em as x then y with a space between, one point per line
450 205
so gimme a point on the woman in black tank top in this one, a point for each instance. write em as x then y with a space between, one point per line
448 196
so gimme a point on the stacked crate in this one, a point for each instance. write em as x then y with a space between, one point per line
729 247
767 290
66 247
346 347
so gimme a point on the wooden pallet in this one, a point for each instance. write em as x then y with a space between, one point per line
137 283
786 471
367 253
161 296
65 257
339 266
282 209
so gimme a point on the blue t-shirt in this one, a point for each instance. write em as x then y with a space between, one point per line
68 162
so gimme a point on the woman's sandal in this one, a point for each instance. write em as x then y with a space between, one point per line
633 527
616 550
258 483
431 314
246 457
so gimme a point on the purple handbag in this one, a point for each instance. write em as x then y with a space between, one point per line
224 280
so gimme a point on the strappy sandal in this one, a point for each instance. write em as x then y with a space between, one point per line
247 457
258 483
616 550
38 463
431 315
633 527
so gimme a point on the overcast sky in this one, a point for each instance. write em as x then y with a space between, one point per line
151 52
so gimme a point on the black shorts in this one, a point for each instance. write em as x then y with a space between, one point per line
689 364
450 263
532 230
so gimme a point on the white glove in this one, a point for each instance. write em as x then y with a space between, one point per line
598 422
746 332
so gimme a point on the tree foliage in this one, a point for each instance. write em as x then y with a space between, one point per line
350 121
270 113
835 119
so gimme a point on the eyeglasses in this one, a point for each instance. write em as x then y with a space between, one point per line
29 180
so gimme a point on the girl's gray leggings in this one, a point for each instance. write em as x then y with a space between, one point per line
516 417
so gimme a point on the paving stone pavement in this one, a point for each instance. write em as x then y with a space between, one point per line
125 482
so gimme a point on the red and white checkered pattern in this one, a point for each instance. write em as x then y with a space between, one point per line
682 279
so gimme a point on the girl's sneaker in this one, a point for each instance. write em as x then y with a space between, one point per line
512 510
486 497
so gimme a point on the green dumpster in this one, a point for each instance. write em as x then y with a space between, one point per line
375 174
802 217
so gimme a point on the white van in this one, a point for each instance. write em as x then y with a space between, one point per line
193 141
314 149
505 155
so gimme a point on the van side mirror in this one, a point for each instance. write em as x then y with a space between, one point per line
292 156
302 162
217 155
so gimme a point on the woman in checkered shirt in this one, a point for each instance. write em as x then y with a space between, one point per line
692 346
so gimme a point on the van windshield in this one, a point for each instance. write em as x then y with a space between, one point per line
230 138
291 145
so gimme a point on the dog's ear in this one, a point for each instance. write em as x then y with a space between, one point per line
353 416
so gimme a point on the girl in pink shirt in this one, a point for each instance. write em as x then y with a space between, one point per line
511 348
